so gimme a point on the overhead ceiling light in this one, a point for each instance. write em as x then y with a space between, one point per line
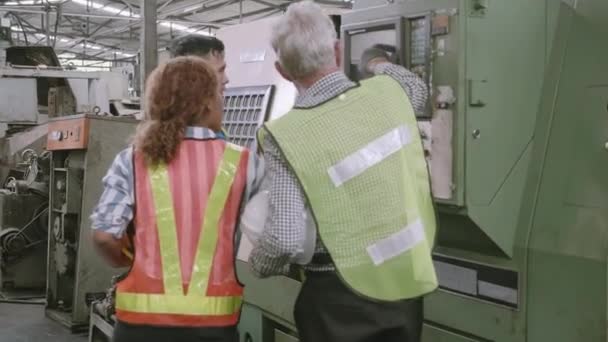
106 8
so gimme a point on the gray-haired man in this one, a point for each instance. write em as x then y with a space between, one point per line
351 153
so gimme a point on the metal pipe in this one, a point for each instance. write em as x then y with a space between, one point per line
57 19
149 41
167 3
20 24
69 14
47 27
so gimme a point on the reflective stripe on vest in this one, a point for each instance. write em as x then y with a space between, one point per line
370 155
194 301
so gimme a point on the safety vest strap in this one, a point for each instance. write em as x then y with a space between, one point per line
195 301
178 304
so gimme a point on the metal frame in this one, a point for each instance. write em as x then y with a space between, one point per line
349 30
47 73
96 322
101 27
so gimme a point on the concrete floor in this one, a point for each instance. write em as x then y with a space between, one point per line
27 323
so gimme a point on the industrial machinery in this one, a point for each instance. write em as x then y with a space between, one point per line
521 247
24 173
34 87
516 237
23 227
83 148
24 185
515 133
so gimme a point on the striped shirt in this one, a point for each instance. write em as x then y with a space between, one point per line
115 208
285 227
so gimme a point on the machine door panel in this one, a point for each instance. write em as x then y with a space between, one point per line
503 92
588 185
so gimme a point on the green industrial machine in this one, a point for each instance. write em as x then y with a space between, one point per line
517 137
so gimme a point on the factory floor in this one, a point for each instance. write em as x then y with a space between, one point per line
27 323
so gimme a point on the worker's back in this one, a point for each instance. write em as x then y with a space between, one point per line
360 162
183 273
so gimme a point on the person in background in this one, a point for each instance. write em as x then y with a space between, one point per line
182 188
210 49
351 154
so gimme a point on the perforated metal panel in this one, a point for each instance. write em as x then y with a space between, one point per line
245 110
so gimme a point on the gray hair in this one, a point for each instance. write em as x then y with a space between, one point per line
304 40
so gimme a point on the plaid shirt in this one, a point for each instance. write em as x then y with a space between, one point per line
115 208
285 227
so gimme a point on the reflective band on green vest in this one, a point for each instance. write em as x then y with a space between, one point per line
195 302
359 160
398 243
370 155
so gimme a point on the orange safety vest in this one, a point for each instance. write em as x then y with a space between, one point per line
183 273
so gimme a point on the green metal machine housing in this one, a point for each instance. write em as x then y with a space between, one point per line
522 243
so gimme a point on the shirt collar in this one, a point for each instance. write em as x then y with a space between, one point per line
201 133
324 89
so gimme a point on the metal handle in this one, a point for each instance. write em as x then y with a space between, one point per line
476 134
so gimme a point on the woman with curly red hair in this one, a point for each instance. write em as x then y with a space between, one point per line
182 188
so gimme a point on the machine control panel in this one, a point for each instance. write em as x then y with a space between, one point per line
68 134
407 40
245 110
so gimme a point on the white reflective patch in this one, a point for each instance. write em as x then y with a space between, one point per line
398 243
370 155
505 294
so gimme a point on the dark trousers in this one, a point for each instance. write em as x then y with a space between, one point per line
328 311
142 333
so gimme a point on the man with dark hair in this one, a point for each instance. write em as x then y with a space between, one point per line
209 48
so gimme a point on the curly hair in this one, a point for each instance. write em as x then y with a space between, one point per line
179 93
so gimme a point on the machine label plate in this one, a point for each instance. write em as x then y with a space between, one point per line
493 284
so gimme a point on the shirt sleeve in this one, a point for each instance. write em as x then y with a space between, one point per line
285 224
414 86
114 210
255 175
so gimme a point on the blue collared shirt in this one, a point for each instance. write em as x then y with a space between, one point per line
114 211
